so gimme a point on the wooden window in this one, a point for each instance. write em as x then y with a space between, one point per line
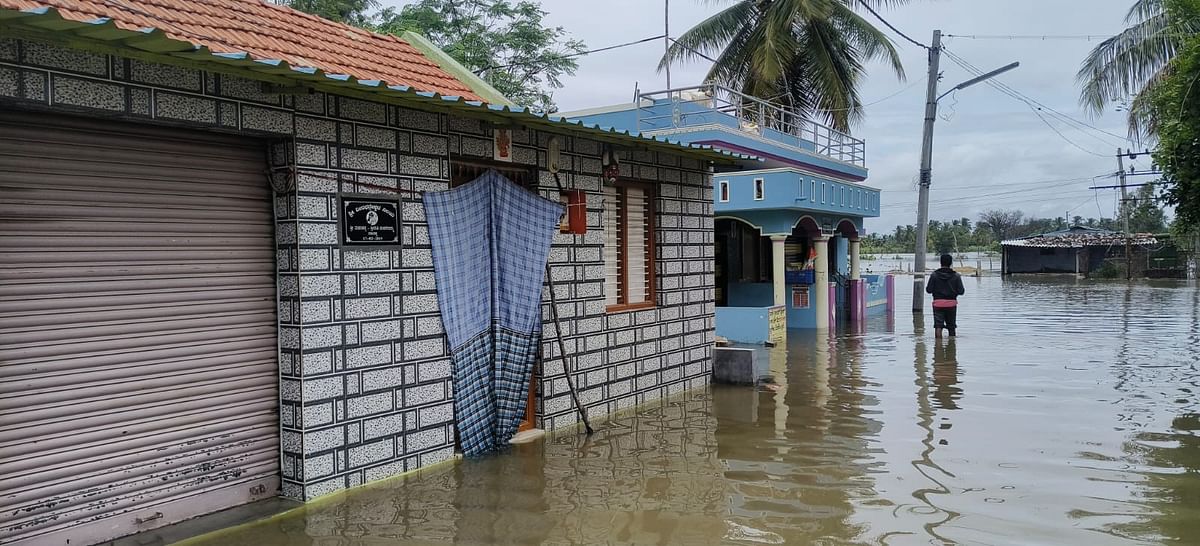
760 191
463 171
724 185
629 246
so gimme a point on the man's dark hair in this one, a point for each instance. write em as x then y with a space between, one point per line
947 260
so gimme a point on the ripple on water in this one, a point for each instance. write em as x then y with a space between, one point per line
1060 416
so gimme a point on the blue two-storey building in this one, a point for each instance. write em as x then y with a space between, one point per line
787 231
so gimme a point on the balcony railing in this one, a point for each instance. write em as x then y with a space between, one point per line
720 105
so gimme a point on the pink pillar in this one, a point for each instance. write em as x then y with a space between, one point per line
858 300
889 283
832 305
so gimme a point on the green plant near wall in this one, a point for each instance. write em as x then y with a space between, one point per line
1106 271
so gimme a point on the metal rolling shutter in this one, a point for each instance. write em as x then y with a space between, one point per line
138 353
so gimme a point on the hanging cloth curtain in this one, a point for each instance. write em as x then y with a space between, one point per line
491 239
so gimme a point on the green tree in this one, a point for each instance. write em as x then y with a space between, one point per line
351 12
1176 103
1145 216
506 43
1128 66
806 55
1002 224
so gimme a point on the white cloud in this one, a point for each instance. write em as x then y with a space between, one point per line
990 143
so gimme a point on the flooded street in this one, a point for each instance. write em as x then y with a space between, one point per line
1065 413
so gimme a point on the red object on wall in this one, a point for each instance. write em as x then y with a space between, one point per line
576 212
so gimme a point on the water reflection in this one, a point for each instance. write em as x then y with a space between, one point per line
1066 413
947 391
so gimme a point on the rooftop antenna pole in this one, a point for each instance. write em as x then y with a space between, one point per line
667 37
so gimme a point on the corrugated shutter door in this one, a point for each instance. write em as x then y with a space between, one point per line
138 352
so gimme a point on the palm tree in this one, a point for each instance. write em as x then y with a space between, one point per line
807 55
1126 67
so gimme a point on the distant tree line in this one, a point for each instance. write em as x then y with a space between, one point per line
993 226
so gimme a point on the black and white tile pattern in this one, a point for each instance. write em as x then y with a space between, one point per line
364 371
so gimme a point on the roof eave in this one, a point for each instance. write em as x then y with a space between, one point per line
102 35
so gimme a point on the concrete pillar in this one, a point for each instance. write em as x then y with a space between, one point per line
821 282
855 273
778 274
857 296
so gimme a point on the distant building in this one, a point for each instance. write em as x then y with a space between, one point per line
787 231
1079 250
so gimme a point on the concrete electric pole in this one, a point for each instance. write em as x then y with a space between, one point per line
1125 215
926 175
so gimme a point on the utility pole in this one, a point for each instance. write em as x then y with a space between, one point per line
926 174
1125 215
931 101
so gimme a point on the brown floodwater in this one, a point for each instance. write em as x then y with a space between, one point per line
1064 413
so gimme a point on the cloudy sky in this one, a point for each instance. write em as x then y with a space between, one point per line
990 150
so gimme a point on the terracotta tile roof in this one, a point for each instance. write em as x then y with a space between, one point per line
269 31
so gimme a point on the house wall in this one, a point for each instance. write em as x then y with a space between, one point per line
1032 260
364 368
791 189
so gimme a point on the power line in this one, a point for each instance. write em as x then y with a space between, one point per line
1020 184
992 196
1030 102
570 55
1041 37
1037 107
694 52
889 25
1031 36
1064 137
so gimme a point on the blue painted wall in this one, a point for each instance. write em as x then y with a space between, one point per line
801 318
743 324
788 189
751 294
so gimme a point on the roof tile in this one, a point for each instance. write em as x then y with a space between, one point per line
269 31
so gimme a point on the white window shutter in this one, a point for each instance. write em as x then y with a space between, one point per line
612 267
637 222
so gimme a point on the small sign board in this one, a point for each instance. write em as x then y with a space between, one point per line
370 221
777 323
800 297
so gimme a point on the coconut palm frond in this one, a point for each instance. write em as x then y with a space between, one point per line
806 55
710 35
869 40
1119 66
1142 10
1143 117
834 73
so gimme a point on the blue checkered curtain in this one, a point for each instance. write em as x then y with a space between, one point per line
491 239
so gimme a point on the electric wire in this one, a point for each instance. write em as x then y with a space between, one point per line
1030 36
1033 103
890 25
571 55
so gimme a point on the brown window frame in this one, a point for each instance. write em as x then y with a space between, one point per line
651 247
526 176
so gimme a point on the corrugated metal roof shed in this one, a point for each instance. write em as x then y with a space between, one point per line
1079 237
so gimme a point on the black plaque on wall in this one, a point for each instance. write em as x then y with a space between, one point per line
370 221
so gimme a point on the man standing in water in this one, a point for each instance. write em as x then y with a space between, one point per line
946 286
